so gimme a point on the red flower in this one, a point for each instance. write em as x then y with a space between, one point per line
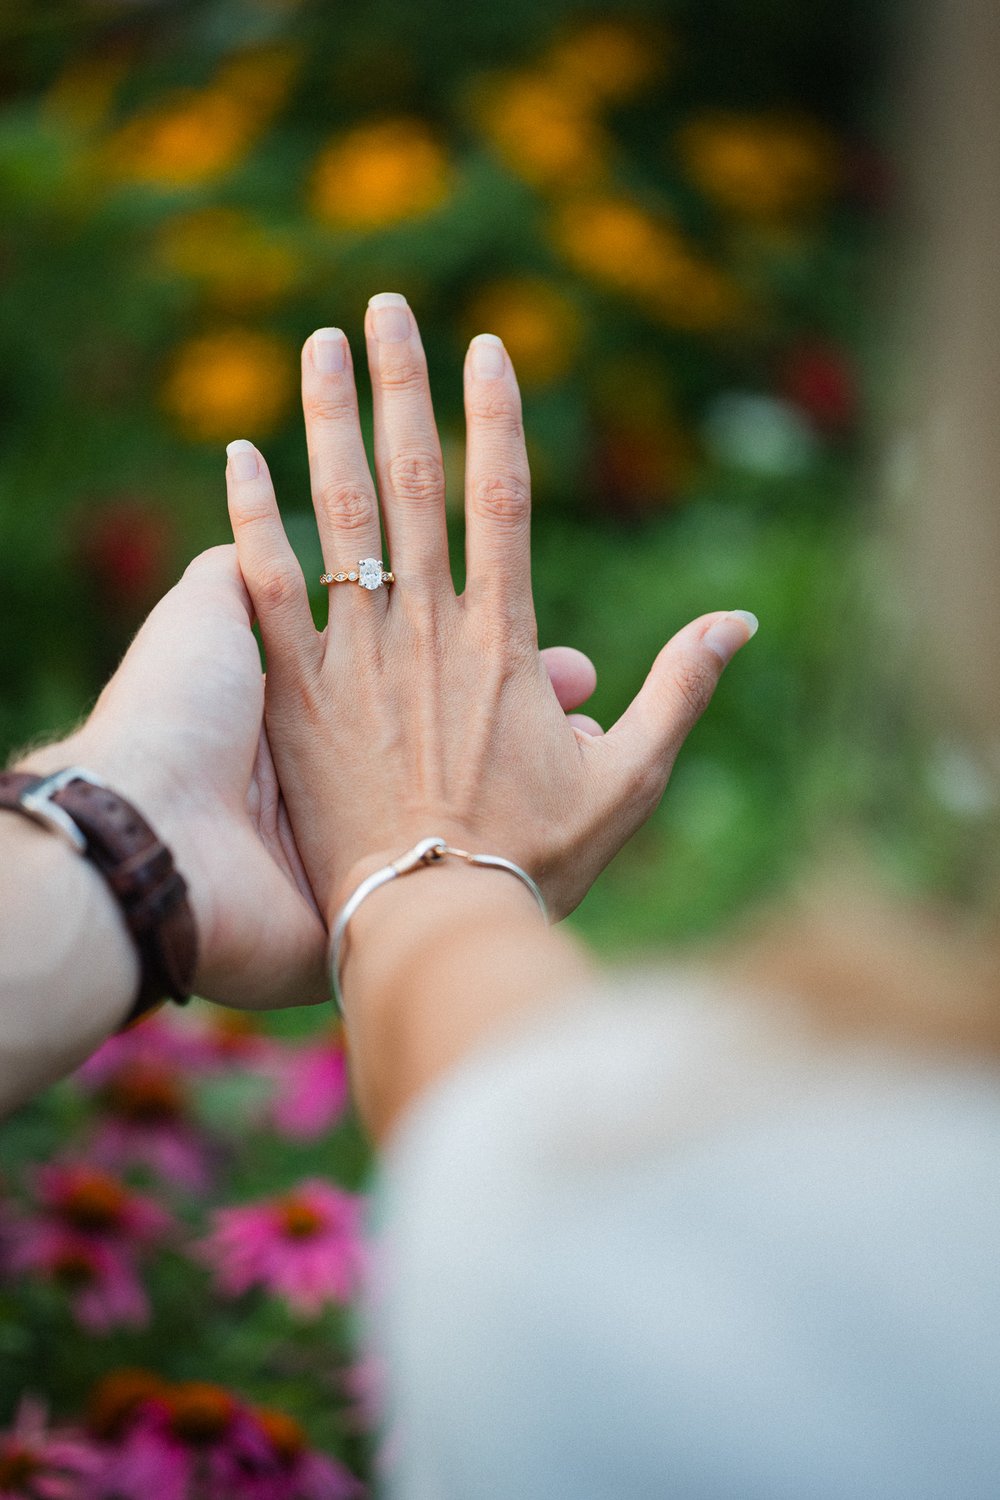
817 378
125 548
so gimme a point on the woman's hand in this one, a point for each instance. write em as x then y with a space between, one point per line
417 712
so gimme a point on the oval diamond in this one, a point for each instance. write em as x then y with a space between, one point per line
370 572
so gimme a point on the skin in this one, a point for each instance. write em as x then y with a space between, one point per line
178 731
419 712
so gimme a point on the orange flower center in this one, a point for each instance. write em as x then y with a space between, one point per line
284 1434
199 1412
17 1466
299 1220
231 1030
94 1202
116 1397
145 1095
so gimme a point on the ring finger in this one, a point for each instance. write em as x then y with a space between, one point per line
342 488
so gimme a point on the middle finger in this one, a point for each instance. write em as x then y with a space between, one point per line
407 450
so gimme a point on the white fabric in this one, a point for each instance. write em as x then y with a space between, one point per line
666 1247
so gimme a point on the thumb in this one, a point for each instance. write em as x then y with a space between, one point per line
678 689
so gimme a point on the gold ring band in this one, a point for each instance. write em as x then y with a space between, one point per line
369 573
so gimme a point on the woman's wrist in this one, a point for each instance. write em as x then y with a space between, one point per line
435 963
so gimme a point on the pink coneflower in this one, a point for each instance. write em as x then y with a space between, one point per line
92 1201
164 1039
312 1089
170 1441
268 1458
168 1438
101 1283
146 1121
36 1465
304 1246
85 1237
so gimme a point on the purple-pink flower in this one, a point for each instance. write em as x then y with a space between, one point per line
146 1120
40 1465
312 1087
175 1441
85 1235
305 1246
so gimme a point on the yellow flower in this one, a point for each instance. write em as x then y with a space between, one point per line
232 381
610 60
189 139
542 130
616 242
765 167
539 325
619 245
194 136
235 260
380 174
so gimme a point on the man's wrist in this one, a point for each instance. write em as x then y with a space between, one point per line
143 779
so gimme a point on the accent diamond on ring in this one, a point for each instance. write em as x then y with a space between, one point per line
369 574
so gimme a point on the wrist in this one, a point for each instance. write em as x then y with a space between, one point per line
144 779
410 914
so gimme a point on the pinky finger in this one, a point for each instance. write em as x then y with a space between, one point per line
270 568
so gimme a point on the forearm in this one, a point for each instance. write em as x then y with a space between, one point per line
437 963
68 969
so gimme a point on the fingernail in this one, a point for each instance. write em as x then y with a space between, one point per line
391 320
727 635
487 356
329 350
243 459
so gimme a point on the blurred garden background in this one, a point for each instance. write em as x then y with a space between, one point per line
672 213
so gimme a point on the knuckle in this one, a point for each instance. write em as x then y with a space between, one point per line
348 507
417 479
498 409
275 588
502 499
252 508
694 683
330 405
402 375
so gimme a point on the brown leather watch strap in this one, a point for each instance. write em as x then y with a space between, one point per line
137 866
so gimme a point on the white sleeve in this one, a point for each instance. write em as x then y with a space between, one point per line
663 1250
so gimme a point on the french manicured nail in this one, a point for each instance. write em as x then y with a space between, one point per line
391 319
727 635
487 356
329 350
243 459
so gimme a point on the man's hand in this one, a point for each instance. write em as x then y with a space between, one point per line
178 732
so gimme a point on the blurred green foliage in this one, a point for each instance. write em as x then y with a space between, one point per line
667 210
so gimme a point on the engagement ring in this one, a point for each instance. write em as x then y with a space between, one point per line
369 573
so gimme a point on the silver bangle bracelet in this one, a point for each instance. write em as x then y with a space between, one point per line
428 852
